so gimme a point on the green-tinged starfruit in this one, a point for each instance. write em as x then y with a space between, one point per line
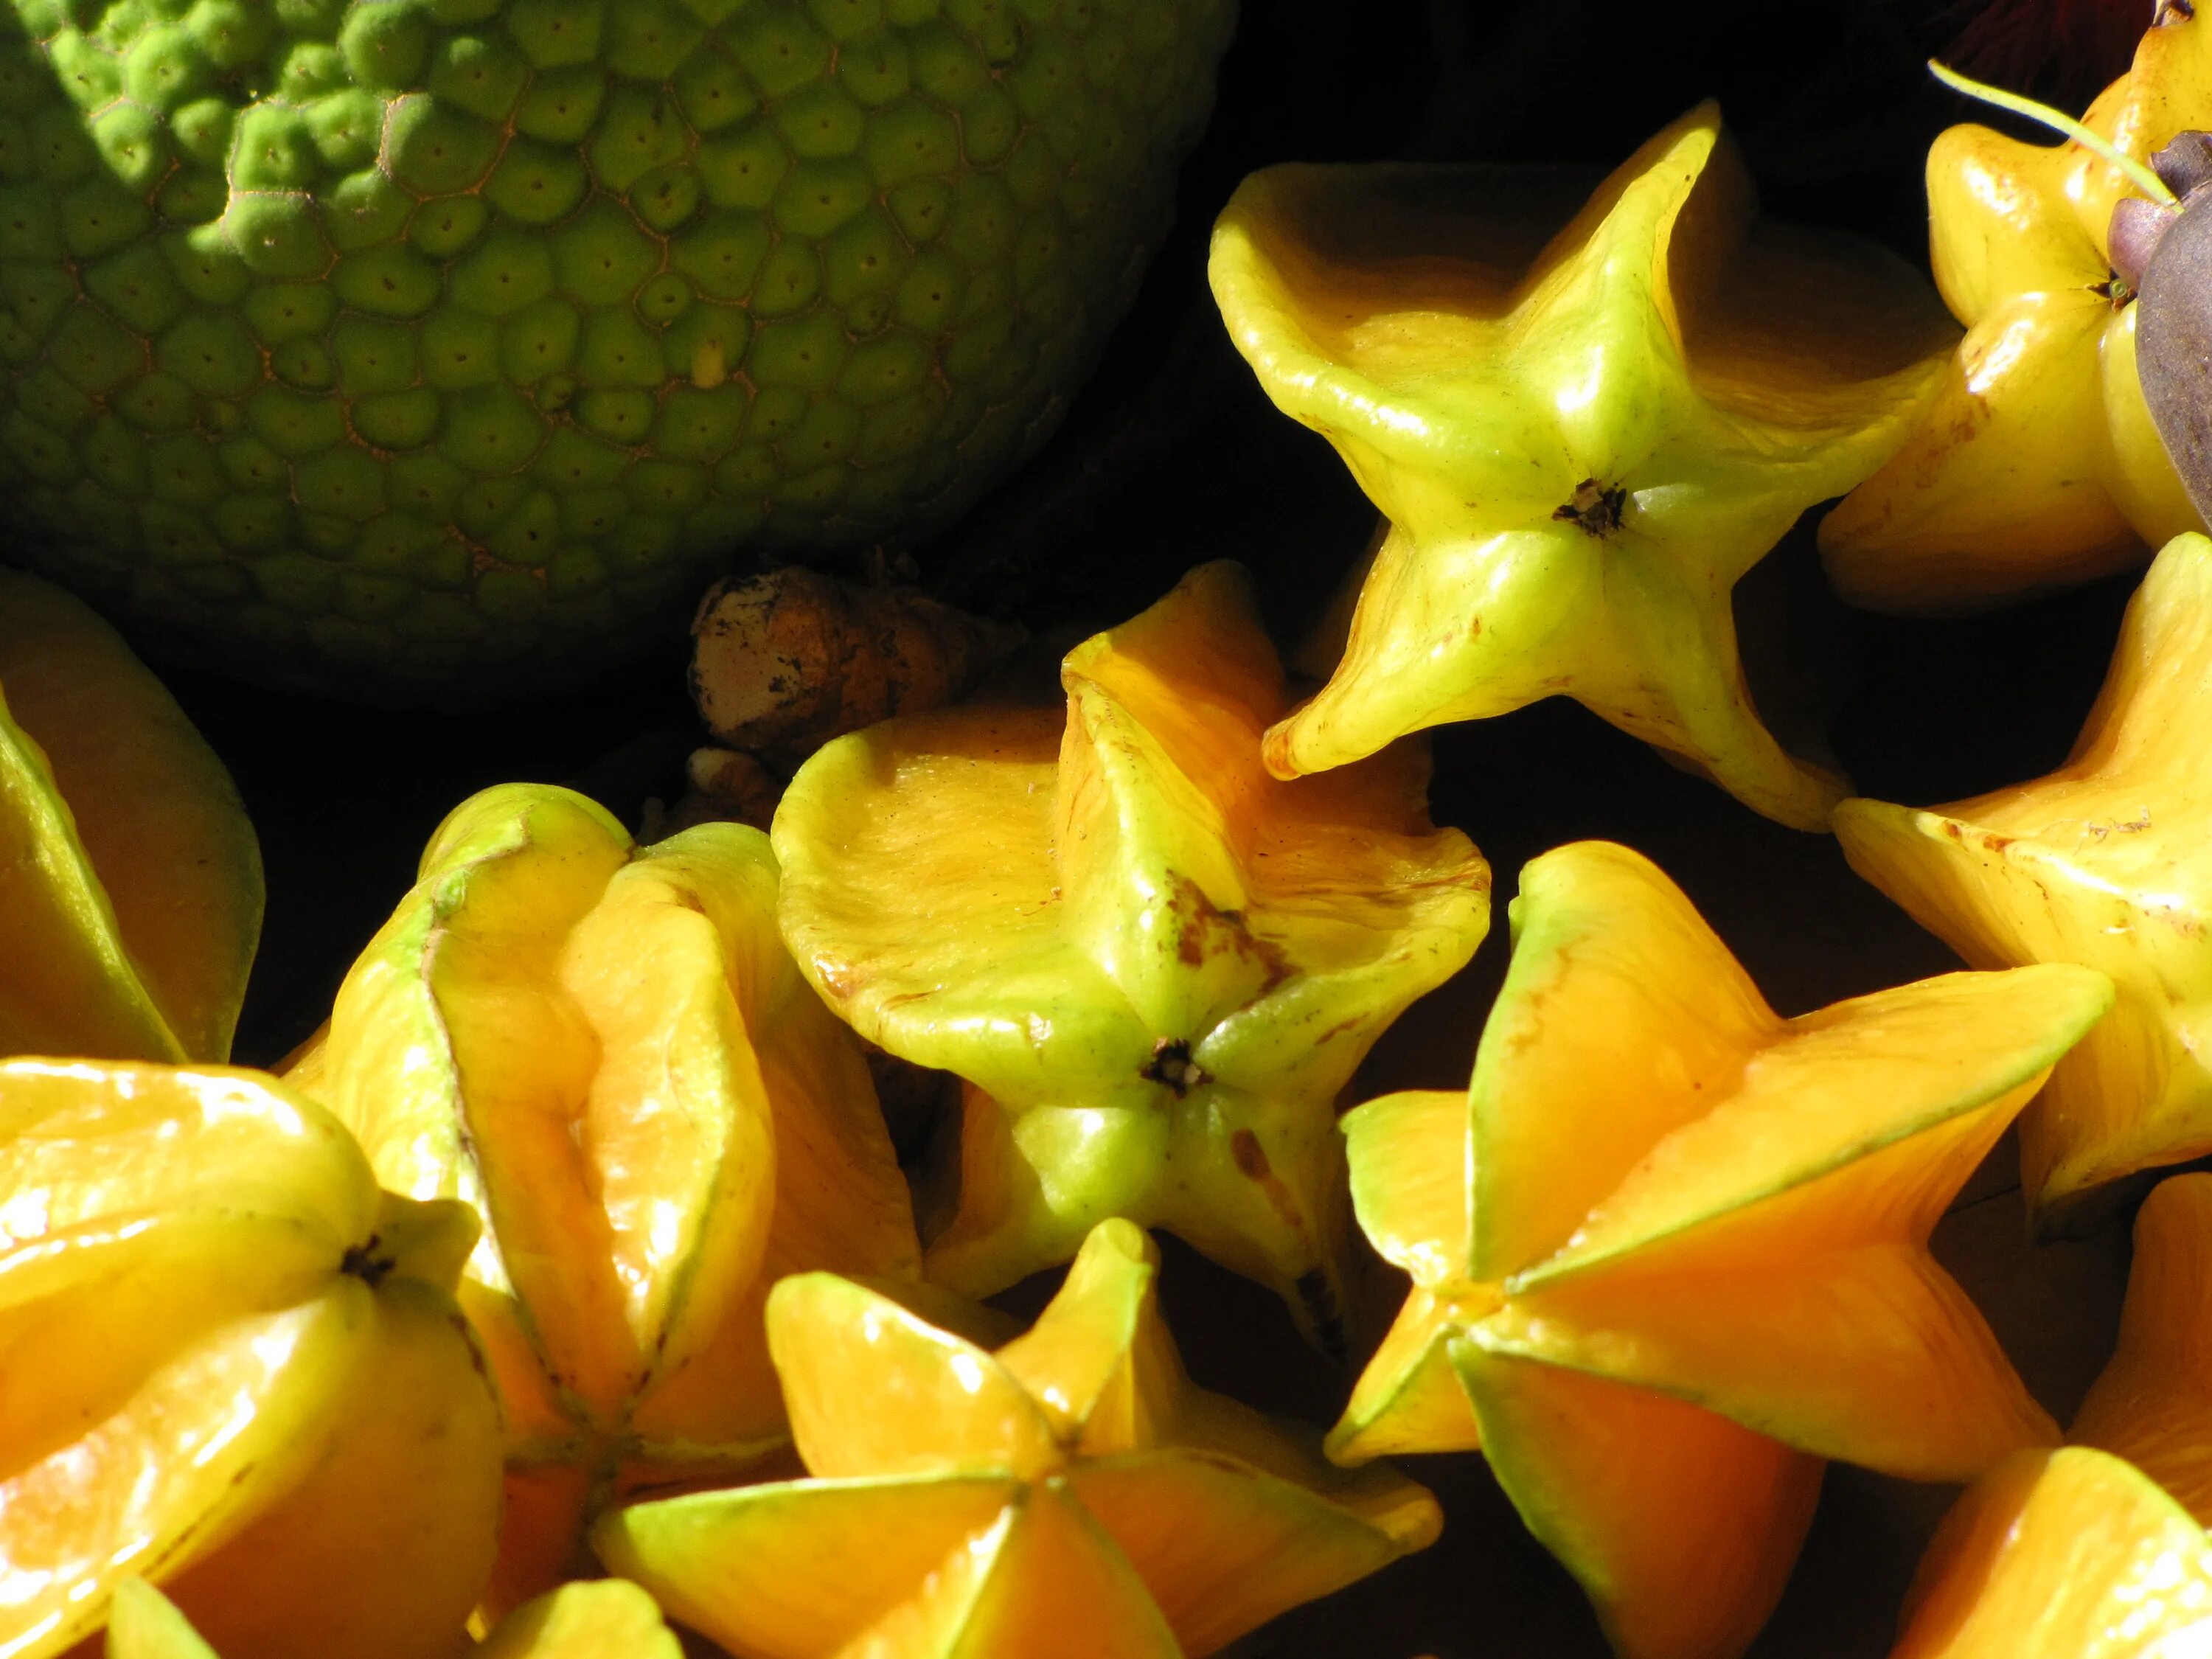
2038 464
2153 1403
230 1364
591 1619
2103 862
129 879
1155 965
1583 426
604 1050
2070 1554
1669 1250
1071 1494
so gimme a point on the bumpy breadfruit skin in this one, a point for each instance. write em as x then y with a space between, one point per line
421 350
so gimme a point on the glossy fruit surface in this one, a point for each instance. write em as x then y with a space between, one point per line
1071 1494
605 1051
1669 1251
2070 1554
412 350
131 884
2152 1404
2100 862
1583 426
2038 464
233 1366
1155 965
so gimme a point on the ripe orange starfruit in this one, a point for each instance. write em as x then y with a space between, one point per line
2071 1554
606 1051
1581 443
1155 965
591 1619
230 1364
2153 1403
2038 464
1071 1494
1669 1250
129 879
2103 862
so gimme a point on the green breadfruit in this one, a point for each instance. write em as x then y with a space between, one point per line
424 347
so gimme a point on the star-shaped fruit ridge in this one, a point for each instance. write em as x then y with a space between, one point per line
2102 862
2037 465
1670 1251
1070 1493
1155 965
1583 428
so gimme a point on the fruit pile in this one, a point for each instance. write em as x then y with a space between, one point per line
589 1283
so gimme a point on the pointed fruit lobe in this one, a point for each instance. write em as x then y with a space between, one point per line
230 1366
2038 464
2099 863
1583 426
2067 1554
2152 1404
1071 1493
130 877
1155 964
1670 1251
605 1051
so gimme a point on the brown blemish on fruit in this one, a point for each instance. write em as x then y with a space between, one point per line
1202 931
363 1262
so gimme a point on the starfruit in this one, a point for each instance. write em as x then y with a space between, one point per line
2152 1404
2102 862
130 879
2070 1554
1669 1250
1155 965
605 1051
1583 428
230 1364
2038 464
591 1619
1071 1494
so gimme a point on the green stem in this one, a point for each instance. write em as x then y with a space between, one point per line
2145 181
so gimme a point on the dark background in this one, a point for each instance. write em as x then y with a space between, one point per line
1173 457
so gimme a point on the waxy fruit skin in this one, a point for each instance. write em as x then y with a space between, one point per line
1669 1250
2067 1554
2103 862
2038 464
130 887
1583 426
590 1619
2152 1404
230 1364
1155 965
1071 1494
605 1050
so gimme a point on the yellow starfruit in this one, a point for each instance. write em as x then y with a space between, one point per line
1155 965
1669 1250
2104 862
130 886
1071 1494
230 1364
1583 428
605 1051
2070 1554
2038 464
590 1619
2153 1403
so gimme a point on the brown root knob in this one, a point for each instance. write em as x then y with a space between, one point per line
784 662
